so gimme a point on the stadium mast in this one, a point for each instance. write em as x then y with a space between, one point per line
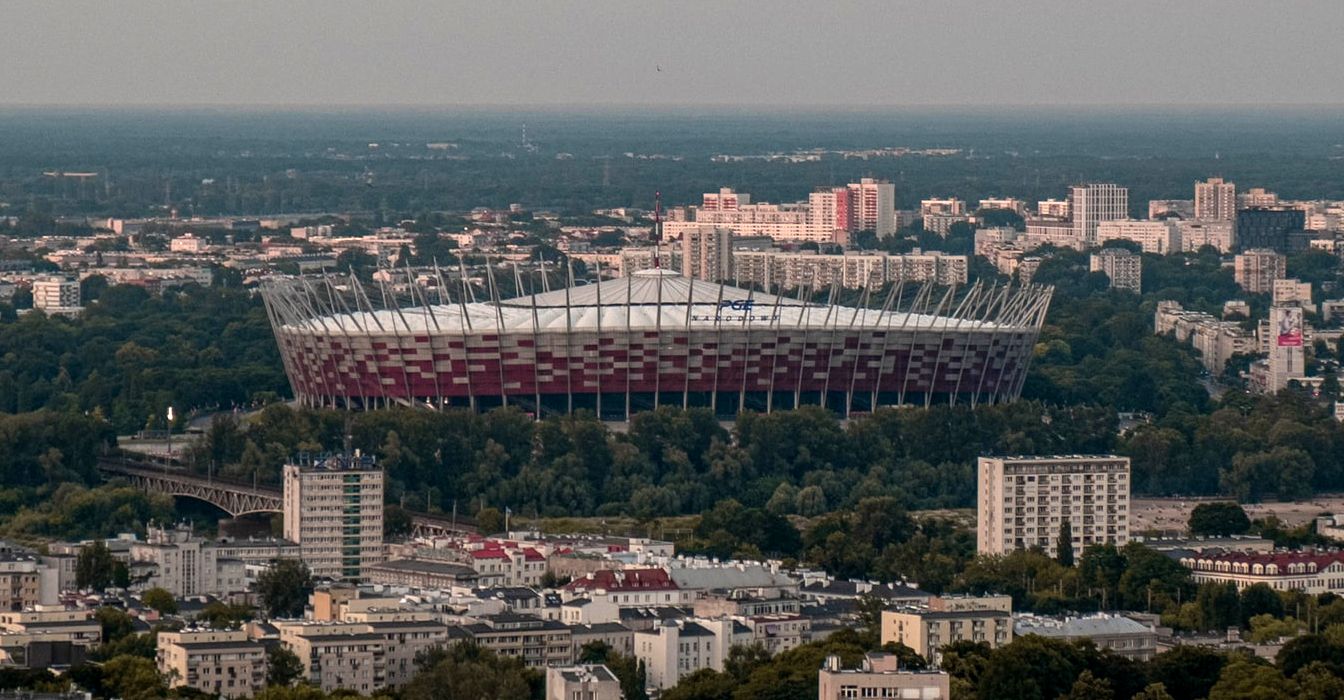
657 229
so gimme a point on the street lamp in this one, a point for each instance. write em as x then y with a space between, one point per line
170 433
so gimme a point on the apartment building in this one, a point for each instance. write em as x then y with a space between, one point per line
1022 502
873 203
586 682
184 564
1053 208
1255 270
26 581
333 509
928 631
829 215
1215 340
1009 203
1292 292
1123 268
880 676
56 294
1160 237
219 662
1197 234
677 648
1215 200
780 270
361 655
538 643
422 573
76 627
707 253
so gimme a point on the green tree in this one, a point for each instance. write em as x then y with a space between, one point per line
1259 599
1318 681
1219 605
94 566
1089 687
133 678
1064 544
489 520
282 666
159 599
1245 678
1266 629
1154 691
468 672
283 589
1308 649
1188 672
1052 673
1220 519
116 623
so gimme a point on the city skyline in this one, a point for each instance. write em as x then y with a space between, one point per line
751 54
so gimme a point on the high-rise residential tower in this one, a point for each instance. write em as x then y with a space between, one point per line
333 509
874 206
1215 200
1024 501
707 253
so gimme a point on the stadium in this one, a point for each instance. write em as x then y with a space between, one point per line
653 338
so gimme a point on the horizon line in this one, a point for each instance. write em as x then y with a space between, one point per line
656 107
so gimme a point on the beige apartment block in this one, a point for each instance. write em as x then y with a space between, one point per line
928 631
1023 501
222 662
880 676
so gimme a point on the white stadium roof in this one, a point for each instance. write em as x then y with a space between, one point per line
648 299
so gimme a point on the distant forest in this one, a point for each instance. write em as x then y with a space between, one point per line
239 162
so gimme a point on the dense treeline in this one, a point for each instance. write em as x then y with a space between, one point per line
670 461
131 355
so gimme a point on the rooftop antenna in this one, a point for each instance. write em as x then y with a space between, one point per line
657 229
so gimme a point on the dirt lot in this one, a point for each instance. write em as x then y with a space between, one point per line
1171 514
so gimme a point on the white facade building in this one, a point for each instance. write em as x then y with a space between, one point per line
1093 203
55 294
1160 237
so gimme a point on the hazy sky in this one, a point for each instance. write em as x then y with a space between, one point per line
391 52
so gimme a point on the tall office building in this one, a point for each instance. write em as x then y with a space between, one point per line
334 512
1123 268
1276 228
707 253
1023 501
1093 203
874 206
1215 200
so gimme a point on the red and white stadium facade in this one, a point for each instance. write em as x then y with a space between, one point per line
653 338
